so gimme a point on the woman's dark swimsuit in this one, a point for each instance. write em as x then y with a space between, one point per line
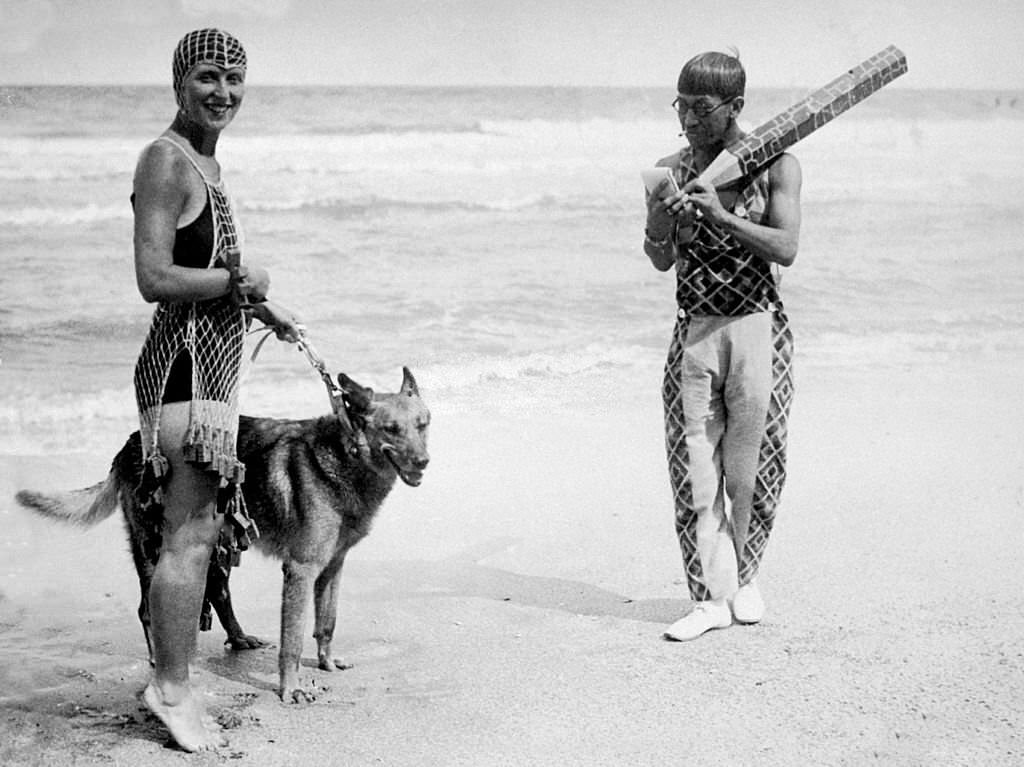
192 245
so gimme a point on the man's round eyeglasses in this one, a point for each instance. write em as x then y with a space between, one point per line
701 109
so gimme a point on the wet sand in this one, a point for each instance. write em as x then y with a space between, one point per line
509 611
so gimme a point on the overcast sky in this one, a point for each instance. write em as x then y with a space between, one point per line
790 43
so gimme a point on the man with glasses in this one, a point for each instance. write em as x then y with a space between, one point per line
728 378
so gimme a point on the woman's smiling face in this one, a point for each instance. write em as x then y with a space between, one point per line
212 95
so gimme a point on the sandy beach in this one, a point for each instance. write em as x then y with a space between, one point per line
509 611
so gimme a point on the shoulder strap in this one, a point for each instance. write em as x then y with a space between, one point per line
187 154
223 224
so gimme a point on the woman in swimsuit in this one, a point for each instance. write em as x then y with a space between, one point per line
188 261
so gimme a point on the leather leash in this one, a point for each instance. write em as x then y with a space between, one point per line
352 425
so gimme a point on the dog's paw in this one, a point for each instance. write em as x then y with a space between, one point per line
298 696
325 663
245 642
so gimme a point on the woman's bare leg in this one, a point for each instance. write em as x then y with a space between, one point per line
191 526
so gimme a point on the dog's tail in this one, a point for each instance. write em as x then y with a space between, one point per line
85 508
91 505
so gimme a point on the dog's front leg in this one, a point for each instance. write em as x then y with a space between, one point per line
295 595
325 599
219 593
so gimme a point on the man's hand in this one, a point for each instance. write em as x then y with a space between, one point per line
702 199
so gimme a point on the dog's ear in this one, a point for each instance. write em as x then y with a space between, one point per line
408 383
359 397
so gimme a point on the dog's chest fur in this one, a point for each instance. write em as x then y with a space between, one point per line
303 491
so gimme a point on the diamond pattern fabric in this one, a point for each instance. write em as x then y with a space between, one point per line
715 275
770 474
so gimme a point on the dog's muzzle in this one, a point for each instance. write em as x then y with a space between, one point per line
411 475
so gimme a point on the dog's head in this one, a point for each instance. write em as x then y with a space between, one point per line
395 425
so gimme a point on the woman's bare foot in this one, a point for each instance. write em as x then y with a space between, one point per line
184 720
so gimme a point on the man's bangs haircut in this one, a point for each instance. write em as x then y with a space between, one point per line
713 74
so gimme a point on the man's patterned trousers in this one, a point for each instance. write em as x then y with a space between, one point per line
727 392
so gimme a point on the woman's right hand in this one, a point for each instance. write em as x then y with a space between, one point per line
253 283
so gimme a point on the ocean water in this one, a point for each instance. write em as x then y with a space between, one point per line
488 238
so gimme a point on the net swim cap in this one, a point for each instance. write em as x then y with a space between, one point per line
204 46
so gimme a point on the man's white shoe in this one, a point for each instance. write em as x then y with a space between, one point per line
747 604
704 617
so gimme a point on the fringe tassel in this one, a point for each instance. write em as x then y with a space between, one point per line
238 534
214 448
150 491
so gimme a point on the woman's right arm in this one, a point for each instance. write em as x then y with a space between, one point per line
161 193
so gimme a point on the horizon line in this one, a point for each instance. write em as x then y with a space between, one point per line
284 84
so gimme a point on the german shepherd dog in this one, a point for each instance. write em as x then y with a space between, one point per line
311 495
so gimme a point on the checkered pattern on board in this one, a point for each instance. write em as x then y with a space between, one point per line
772 138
